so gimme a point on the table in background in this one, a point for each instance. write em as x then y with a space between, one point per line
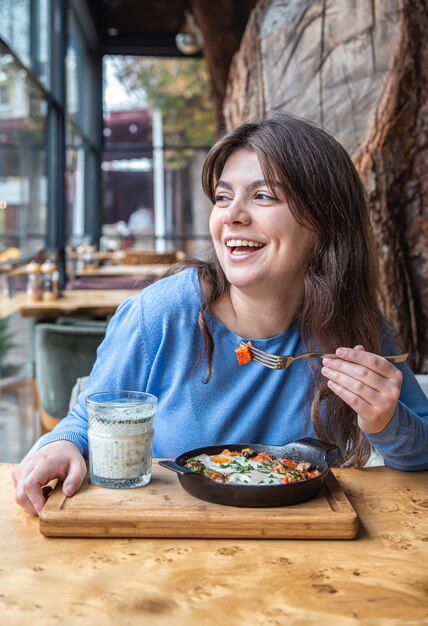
92 302
156 270
117 276
9 305
379 579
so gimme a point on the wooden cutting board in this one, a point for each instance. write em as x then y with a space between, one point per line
164 509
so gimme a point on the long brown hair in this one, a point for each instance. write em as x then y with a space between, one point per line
339 306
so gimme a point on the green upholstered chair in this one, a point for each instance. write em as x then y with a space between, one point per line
62 354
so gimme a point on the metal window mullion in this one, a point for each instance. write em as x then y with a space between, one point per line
56 214
93 217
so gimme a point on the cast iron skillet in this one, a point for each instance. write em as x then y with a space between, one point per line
204 488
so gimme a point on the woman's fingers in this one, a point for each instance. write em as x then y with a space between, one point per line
356 402
19 475
368 370
24 501
61 460
365 361
366 389
367 383
32 485
76 474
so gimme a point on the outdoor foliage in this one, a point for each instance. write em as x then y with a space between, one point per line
180 88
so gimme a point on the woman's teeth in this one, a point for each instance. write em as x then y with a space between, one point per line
240 246
232 243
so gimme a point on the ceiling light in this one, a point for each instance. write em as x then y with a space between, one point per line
189 40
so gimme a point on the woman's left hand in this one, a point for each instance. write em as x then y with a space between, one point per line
367 382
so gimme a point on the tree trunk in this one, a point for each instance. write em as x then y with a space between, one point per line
361 71
393 161
216 21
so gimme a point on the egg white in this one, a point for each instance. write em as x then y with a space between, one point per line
253 477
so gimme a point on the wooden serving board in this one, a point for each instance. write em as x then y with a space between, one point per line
164 509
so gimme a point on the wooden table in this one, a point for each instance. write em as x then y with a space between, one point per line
378 579
10 305
144 271
93 302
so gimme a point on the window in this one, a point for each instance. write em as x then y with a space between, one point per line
82 140
158 127
4 95
23 189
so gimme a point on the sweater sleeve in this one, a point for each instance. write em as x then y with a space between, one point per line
403 443
122 363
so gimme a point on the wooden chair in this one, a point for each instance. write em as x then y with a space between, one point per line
135 257
63 353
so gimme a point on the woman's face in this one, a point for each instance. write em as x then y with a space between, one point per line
257 240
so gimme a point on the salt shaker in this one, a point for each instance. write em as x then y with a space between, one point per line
56 284
34 282
48 269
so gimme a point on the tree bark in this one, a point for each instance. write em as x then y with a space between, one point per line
360 70
222 36
394 163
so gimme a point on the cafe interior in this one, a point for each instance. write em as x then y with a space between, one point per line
107 111
100 187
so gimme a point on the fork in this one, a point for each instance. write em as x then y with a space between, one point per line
277 362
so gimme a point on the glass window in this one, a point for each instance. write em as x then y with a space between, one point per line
25 26
23 192
15 26
75 184
158 126
80 79
40 40
81 133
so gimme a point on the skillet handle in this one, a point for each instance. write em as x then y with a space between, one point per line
318 444
175 467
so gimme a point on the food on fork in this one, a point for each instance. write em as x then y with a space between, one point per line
247 467
243 353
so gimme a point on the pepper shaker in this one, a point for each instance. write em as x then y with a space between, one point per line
48 269
34 281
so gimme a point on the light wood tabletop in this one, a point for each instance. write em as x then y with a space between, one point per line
378 579
149 270
93 302
10 304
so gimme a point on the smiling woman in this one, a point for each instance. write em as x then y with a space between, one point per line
293 271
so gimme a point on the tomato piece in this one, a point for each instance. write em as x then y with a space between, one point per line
243 355
288 463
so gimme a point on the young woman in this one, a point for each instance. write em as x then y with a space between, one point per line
294 270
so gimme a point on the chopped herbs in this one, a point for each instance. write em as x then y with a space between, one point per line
248 467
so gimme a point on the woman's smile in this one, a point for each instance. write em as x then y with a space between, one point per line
242 248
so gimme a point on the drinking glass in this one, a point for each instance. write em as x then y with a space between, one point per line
120 438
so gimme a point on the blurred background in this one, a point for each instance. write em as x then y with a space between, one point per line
108 108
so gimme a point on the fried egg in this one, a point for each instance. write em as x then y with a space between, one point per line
239 470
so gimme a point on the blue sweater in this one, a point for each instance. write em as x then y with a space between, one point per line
152 344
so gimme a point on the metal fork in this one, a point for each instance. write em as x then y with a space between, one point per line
277 362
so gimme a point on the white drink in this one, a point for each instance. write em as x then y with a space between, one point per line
120 439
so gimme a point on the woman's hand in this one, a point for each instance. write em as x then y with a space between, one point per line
60 459
367 382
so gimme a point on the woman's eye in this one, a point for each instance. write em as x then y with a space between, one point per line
261 195
219 198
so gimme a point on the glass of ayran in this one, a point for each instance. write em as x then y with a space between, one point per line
120 438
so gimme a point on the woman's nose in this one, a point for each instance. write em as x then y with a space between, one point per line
236 213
